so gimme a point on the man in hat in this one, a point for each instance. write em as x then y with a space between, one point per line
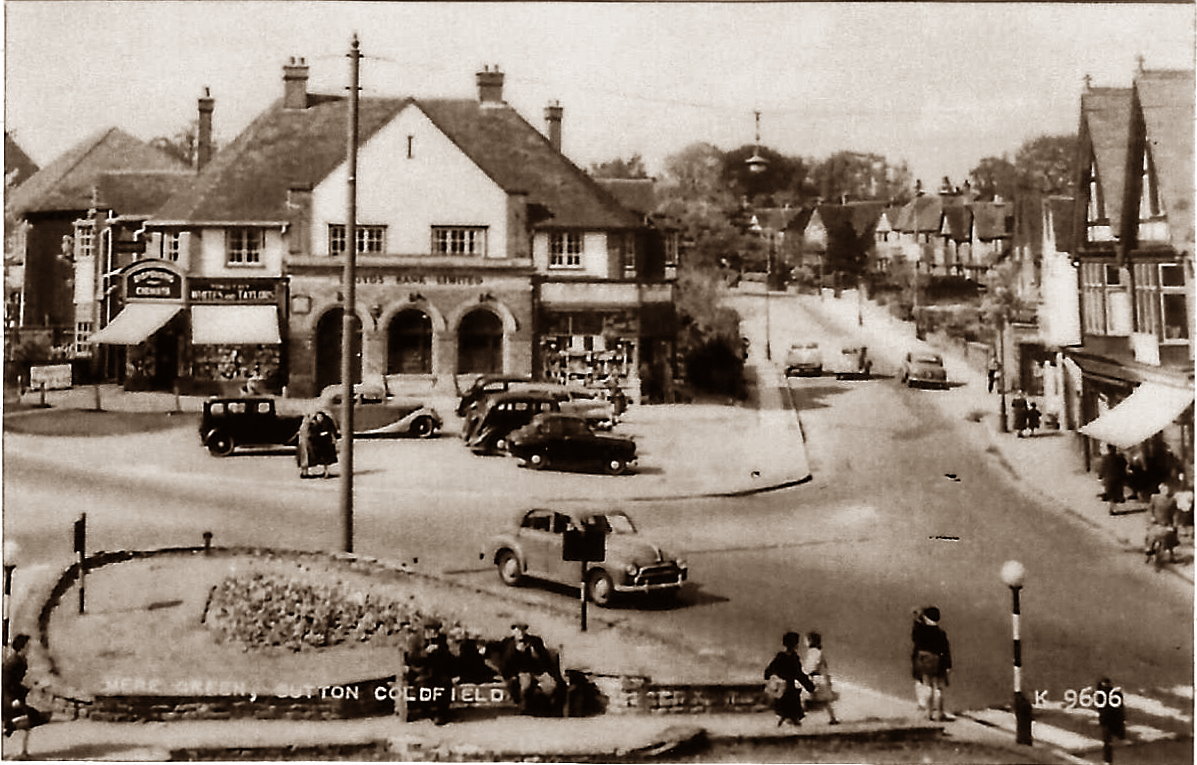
527 667
931 661
432 667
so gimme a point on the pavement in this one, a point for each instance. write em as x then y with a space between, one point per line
684 450
1048 466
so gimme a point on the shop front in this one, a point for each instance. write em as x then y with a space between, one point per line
415 327
150 330
235 338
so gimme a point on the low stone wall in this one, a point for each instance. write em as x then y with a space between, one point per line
640 695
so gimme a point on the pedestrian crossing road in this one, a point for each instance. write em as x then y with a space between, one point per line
1153 715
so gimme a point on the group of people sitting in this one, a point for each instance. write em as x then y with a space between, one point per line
442 659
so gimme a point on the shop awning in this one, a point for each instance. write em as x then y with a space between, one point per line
1139 416
137 322
234 325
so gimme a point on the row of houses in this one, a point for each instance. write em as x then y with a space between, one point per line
481 248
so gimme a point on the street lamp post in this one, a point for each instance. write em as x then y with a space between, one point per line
349 309
1013 575
11 549
1003 427
768 286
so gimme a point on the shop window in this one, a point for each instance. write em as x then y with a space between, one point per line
1172 275
459 240
244 247
565 249
371 240
1176 317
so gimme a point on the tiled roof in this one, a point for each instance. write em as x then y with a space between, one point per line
17 163
801 219
862 217
139 193
927 208
990 220
1062 209
67 182
892 215
285 149
519 158
636 194
282 149
1027 224
1106 112
958 222
1166 98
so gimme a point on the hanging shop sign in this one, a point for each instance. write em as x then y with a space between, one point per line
232 291
154 283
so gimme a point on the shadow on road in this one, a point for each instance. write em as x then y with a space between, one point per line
807 397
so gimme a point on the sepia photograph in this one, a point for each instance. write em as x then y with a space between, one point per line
620 382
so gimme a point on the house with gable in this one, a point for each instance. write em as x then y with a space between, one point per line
480 248
46 208
1133 239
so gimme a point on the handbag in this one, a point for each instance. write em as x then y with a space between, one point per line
776 687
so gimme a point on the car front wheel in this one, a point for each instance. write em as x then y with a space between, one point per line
220 444
509 568
616 465
599 588
422 427
538 461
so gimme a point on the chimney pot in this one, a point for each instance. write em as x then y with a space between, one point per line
203 140
295 84
552 120
490 86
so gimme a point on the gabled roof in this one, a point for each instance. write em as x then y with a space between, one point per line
861 217
801 219
1166 100
140 193
1106 114
1061 209
922 211
1027 229
282 149
520 159
286 149
958 222
636 194
67 182
892 216
17 165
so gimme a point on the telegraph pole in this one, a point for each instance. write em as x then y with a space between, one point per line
349 309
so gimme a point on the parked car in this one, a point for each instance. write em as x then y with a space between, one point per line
852 361
487 432
232 422
923 368
584 402
487 385
377 414
804 358
567 439
632 563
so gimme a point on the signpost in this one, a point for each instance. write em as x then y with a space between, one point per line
586 545
80 553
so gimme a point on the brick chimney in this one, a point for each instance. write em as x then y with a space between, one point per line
490 86
203 142
552 123
295 84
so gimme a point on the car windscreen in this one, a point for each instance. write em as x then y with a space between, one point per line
614 523
928 359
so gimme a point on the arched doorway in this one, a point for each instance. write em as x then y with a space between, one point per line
328 350
480 343
409 343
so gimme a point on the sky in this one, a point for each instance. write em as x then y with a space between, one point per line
938 85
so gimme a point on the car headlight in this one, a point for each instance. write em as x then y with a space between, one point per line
681 563
632 569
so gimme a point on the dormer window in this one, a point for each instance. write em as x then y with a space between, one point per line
244 246
565 249
1097 208
1149 203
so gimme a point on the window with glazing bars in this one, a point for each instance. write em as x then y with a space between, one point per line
371 240
565 250
459 240
245 246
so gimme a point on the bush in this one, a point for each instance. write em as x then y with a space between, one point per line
951 289
716 366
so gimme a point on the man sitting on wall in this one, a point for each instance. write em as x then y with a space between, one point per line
529 670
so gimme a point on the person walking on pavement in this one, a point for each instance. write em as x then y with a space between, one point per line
1112 472
993 373
1162 534
18 715
820 675
1018 409
931 662
303 446
322 442
785 681
1034 418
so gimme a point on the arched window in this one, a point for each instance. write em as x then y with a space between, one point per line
328 350
480 343
409 343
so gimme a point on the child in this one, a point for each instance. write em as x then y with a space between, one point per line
820 675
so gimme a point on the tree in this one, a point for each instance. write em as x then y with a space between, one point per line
693 174
632 167
183 145
1048 164
857 175
783 178
847 252
994 177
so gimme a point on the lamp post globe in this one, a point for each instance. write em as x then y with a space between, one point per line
1013 573
11 551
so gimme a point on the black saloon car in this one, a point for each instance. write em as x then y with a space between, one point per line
486 432
228 423
566 439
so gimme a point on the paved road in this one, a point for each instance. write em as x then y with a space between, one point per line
880 529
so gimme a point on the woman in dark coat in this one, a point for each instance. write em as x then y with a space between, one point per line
787 666
322 442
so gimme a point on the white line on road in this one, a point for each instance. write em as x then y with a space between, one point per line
1184 691
1049 734
1154 708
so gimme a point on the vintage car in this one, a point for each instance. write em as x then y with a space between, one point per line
487 385
486 431
376 414
229 423
804 358
923 368
567 439
632 564
852 361
598 411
